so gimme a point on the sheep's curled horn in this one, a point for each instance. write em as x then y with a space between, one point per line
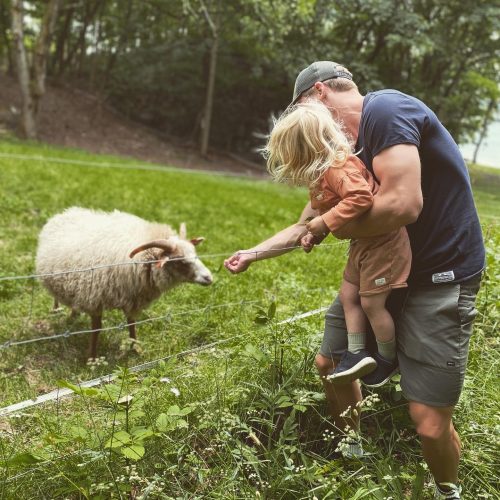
163 244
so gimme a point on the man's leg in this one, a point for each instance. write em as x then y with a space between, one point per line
433 334
339 397
441 444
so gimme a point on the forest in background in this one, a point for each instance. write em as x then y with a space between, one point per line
212 72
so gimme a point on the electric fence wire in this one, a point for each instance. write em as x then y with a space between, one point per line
121 326
126 166
173 259
60 393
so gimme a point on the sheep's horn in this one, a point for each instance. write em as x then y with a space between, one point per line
182 231
164 244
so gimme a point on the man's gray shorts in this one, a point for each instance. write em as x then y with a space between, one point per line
433 328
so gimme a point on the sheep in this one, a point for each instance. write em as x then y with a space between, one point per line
80 238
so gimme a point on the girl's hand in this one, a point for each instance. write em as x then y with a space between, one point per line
308 241
318 227
239 262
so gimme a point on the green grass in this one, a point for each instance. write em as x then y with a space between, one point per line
250 418
486 185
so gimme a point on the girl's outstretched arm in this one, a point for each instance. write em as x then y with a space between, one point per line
282 242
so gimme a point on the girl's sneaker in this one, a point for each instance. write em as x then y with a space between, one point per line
384 372
352 366
353 449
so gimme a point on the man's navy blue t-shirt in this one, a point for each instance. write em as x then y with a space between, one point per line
446 240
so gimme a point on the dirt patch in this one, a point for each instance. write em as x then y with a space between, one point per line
73 118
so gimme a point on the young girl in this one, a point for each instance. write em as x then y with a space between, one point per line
308 148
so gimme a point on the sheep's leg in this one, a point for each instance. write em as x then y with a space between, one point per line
96 325
131 328
134 346
56 309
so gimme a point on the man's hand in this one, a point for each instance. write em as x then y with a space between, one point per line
239 261
317 227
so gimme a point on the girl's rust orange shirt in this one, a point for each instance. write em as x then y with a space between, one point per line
344 193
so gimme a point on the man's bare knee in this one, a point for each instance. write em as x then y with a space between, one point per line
433 431
323 364
431 423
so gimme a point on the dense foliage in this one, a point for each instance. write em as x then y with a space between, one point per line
151 59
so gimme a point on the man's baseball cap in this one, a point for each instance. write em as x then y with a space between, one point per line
318 71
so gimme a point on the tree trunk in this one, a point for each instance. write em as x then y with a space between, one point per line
28 126
90 14
207 115
42 46
97 33
59 65
6 50
32 92
122 41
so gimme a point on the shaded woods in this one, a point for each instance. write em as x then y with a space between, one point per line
211 72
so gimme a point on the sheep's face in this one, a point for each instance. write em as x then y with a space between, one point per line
181 265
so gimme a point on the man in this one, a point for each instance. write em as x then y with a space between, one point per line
424 185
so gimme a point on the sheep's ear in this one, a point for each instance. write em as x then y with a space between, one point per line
162 262
183 231
197 241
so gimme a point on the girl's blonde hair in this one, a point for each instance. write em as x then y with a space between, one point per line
303 143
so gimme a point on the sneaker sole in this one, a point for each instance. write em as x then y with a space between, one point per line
386 379
360 369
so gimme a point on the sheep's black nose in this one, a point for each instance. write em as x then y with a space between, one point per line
205 280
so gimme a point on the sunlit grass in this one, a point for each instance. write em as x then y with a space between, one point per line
257 416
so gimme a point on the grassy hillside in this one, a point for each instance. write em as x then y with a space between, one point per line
243 419
486 184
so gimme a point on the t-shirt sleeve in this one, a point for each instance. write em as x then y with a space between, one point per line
356 196
391 119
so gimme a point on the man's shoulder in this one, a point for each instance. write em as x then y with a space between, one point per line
387 99
390 117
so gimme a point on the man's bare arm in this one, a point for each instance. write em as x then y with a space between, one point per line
399 200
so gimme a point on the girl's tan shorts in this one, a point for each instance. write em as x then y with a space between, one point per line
379 264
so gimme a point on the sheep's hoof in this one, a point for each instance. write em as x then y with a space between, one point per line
135 346
128 345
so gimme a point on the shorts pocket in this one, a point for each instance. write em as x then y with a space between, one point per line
429 329
467 304
466 313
